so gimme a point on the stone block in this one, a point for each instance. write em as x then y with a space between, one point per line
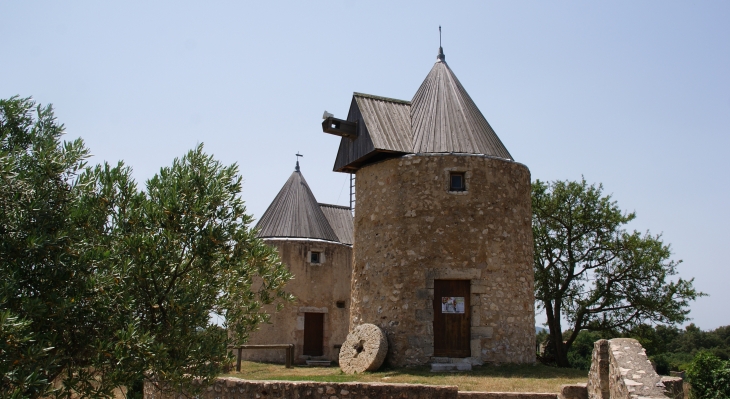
440 367
679 374
475 347
463 366
476 316
478 288
414 341
424 314
482 332
313 309
573 391
674 387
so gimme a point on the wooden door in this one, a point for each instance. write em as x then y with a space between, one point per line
451 318
313 334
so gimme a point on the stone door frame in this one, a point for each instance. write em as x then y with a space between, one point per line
476 287
299 333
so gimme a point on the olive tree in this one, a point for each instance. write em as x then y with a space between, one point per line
105 284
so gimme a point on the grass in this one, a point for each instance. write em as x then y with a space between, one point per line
505 378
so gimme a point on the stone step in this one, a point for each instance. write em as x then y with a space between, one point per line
438 367
319 363
463 366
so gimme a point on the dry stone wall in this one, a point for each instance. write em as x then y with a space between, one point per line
411 230
598 375
234 388
620 366
506 395
317 288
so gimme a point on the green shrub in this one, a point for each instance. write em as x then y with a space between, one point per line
709 377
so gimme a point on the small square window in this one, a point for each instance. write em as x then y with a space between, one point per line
341 304
314 257
457 181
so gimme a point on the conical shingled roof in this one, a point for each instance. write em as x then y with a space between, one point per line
295 213
441 118
445 119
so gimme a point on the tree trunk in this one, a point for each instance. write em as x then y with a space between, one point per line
561 355
556 334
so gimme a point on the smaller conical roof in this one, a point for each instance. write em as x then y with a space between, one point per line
445 119
295 213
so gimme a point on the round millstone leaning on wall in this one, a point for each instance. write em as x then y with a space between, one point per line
364 349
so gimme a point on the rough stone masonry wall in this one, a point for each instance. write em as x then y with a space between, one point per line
317 288
410 230
598 375
629 374
234 388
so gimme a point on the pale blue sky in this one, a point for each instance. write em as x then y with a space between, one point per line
635 95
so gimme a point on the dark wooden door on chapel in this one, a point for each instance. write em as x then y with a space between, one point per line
451 318
313 334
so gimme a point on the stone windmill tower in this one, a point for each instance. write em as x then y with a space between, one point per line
443 241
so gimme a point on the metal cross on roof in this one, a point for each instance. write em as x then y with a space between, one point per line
440 56
298 155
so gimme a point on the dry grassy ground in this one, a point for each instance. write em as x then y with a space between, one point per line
506 378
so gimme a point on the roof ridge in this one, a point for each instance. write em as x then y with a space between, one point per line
334 206
394 100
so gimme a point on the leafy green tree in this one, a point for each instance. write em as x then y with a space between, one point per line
594 274
103 282
184 249
709 377
49 294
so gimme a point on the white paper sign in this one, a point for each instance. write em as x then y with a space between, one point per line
452 304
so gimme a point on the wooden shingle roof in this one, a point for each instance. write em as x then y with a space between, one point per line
386 120
340 218
383 129
445 119
295 213
441 118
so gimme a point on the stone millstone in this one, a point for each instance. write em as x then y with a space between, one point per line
364 349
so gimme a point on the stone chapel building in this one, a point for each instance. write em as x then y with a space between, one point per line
441 254
315 241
